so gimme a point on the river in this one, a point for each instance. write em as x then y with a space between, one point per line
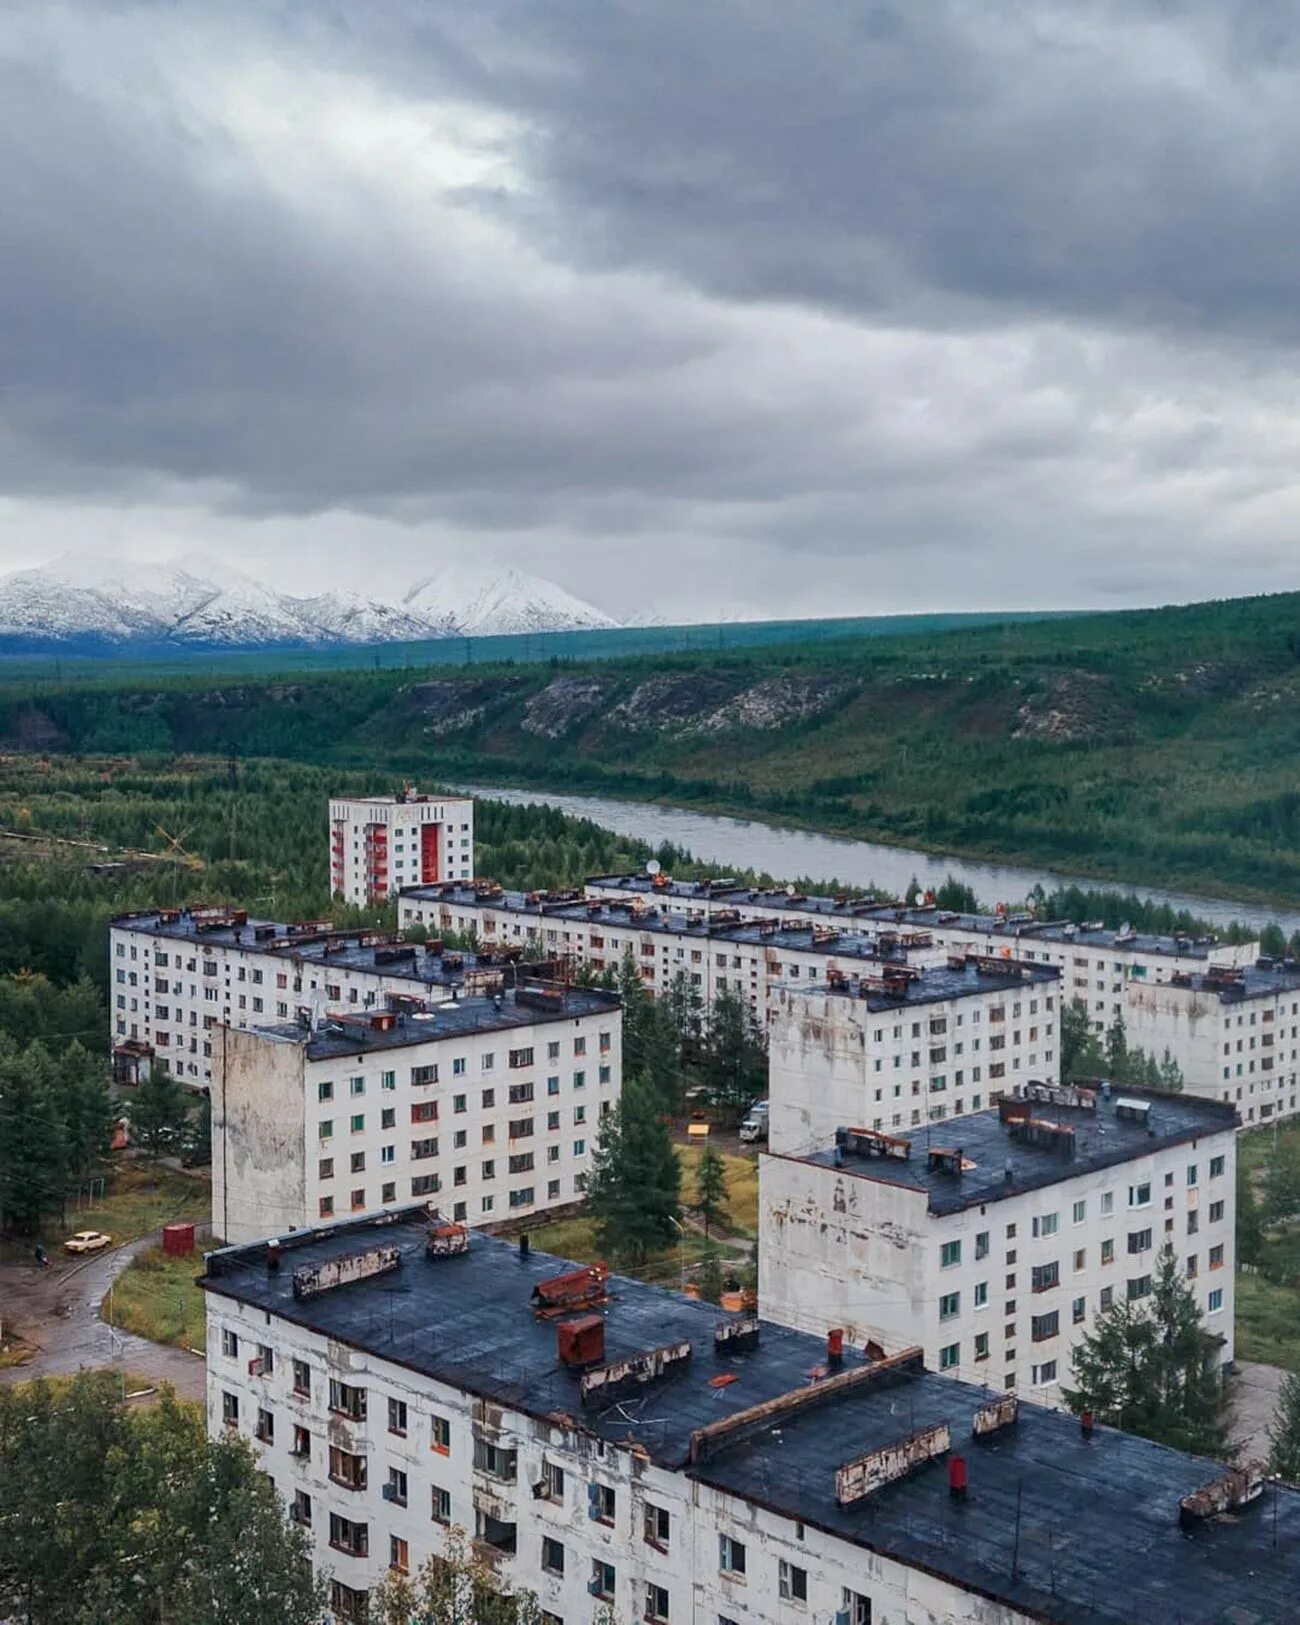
790 854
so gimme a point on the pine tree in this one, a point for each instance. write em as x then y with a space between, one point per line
1250 1223
1081 1054
1116 1053
635 1183
33 1140
1284 1435
1171 1074
1146 1366
157 1111
710 1186
735 1051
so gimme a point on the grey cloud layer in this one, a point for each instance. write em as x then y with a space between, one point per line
1012 286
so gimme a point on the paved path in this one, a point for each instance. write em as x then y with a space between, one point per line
1251 1407
59 1312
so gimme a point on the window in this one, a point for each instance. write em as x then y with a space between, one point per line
1139 1287
656 1602
356 1086
949 1357
489 1099
230 1410
300 1511
349 1604
359 1123
1140 1195
325 1207
301 1377
792 1582
326 1129
1044 1373
265 1429
950 1306
1078 1310
1046 1224
1216 1167
358 1163
395 1489
399 1555
552 1484
1216 1212
1215 1301
1080 1212
552 1555
982 1244
731 1555
1045 1276
601 1503
857 1608
657 1524
1216 1257
324 1091
229 1343
347 1469
421 1075
347 1401
397 1417
603 1580
496 1459
1139 1241
301 1447
981 1345
441 1505
521 1057
981 1294
1107 1297
949 1254
1108 1251
1107 1203
388 1080
350 1537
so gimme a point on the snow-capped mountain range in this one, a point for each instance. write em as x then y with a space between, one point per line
199 601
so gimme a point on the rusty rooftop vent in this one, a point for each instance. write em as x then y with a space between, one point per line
444 1239
736 1336
313 1279
622 1377
944 1159
1037 1131
1236 1488
993 1417
869 1142
576 1289
1059 1094
864 1475
581 1341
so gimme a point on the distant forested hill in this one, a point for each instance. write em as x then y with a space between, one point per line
1159 746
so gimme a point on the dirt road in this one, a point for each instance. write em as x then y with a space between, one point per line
58 1312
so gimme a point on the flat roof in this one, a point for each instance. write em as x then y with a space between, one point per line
1062 1528
1250 982
419 800
1000 1164
318 943
350 1034
898 913
937 983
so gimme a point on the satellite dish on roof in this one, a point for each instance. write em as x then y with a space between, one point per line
653 866
917 899
789 890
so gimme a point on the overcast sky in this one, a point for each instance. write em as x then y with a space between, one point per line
744 308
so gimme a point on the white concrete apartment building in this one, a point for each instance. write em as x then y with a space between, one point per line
994 1242
750 958
177 974
378 844
1234 1032
614 1447
896 1050
1097 964
490 1106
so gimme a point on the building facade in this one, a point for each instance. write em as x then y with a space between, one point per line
1235 1033
490 1106
994 1243
622 1451
893 1052
178 974
378 844
1097 965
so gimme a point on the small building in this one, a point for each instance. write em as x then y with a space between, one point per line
491 1106
1234 1031
992 1241
378 844
894 1048
602 1442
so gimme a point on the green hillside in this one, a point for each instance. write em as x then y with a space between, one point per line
1158 746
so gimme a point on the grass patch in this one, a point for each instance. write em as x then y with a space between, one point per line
1268 1321
14 1351
156 1297
141 1197
740 1216
576 1238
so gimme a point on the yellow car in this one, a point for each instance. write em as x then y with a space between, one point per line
87 1241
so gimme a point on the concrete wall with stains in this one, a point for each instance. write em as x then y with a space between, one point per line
259 1161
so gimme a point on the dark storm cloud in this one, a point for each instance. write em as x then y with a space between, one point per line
665 287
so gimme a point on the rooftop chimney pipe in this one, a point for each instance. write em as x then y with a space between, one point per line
835 1346
523 1244
957 1477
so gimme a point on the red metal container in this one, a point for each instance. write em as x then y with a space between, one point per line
178 1239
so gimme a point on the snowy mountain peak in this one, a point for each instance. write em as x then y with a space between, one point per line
199 600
